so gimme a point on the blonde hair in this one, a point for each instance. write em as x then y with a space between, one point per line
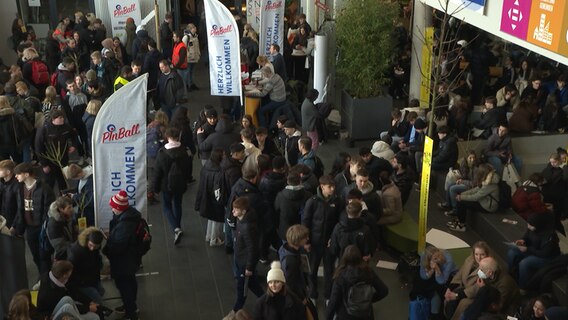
261 59
429 253
296 233
93 107
21 85
50 94
4 102
19 308
29 54
96 55
161 117
253 35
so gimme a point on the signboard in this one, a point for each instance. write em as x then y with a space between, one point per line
271 25
120 10
426 68
119 150
424 190
34 3
473 5
515 17
563 47
253 14
545 23
224 52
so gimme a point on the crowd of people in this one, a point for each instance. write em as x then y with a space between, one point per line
265 187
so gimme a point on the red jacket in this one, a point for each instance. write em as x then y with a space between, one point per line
179 56
527 200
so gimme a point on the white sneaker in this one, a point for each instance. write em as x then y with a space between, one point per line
216 242
177 235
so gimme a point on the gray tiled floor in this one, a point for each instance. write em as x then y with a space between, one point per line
194 281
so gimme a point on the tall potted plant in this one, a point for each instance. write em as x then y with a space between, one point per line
365 44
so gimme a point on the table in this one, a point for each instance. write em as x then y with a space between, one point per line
252 104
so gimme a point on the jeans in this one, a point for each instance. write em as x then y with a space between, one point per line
527 264
267 108
94 293
453 191
319 251
67 307
190 68
496 163
253 285
184 74
228 235
171 206
128 288
463 206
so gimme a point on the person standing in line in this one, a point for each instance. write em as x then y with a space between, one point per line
310 116
246 252
171 175
191 41
166 35
179 59
168 90
123 252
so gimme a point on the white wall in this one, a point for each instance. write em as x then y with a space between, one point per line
8 13
102 12
491 22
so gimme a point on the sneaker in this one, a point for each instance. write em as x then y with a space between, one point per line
444 205
458 227
230 315
120 309
216 242
450 213
177 235
453 222
313 301
106 311
263 260
36 286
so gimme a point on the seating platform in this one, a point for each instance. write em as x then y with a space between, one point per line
403 236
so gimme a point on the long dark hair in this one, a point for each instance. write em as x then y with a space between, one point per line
353 258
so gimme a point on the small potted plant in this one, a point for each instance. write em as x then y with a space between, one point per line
365 44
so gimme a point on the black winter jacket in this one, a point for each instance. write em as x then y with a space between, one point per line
244 188
42 198
122 246
446 155
49 295
246 236
269 186
320 217
347 278
206 203
279 307
404 182
87 264
288 206
352 231
291 262
60 232
9 192
222 138
62 136
164 162
375 167
231 173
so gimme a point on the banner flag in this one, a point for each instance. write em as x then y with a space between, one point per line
120 10
224 50
424 190
119 150
271 25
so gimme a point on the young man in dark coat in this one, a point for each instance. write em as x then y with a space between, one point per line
61 230
9 190
152 65
87 262
291 151
270 185
170 88
123 252
222 138
321 214
246 251
370 196
172 191
402 176
446 155
293 264
289 203
34 198
374 166
57 136
206 128
352 230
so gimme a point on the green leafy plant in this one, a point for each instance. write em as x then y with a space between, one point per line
365 43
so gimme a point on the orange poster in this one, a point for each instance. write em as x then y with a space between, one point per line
563 47
546 23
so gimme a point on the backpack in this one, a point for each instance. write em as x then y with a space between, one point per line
319 168
505 198
324 109
53 80
40 74
154 141
518 200
143 236
359 300
44 244
177 182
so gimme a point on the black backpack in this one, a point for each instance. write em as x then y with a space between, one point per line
143 236
177 181
359 300
505 197
318 169
44 244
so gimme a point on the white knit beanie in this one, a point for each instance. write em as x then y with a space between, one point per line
275 273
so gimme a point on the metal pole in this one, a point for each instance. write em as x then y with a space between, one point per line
157 20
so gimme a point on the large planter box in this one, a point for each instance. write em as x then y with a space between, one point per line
366 118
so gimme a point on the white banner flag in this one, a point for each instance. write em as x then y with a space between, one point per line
224 50
253 14
271 25
119 149
120 10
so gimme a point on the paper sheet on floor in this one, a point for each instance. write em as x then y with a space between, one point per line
444 240
387 265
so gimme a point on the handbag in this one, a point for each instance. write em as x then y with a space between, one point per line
511 176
